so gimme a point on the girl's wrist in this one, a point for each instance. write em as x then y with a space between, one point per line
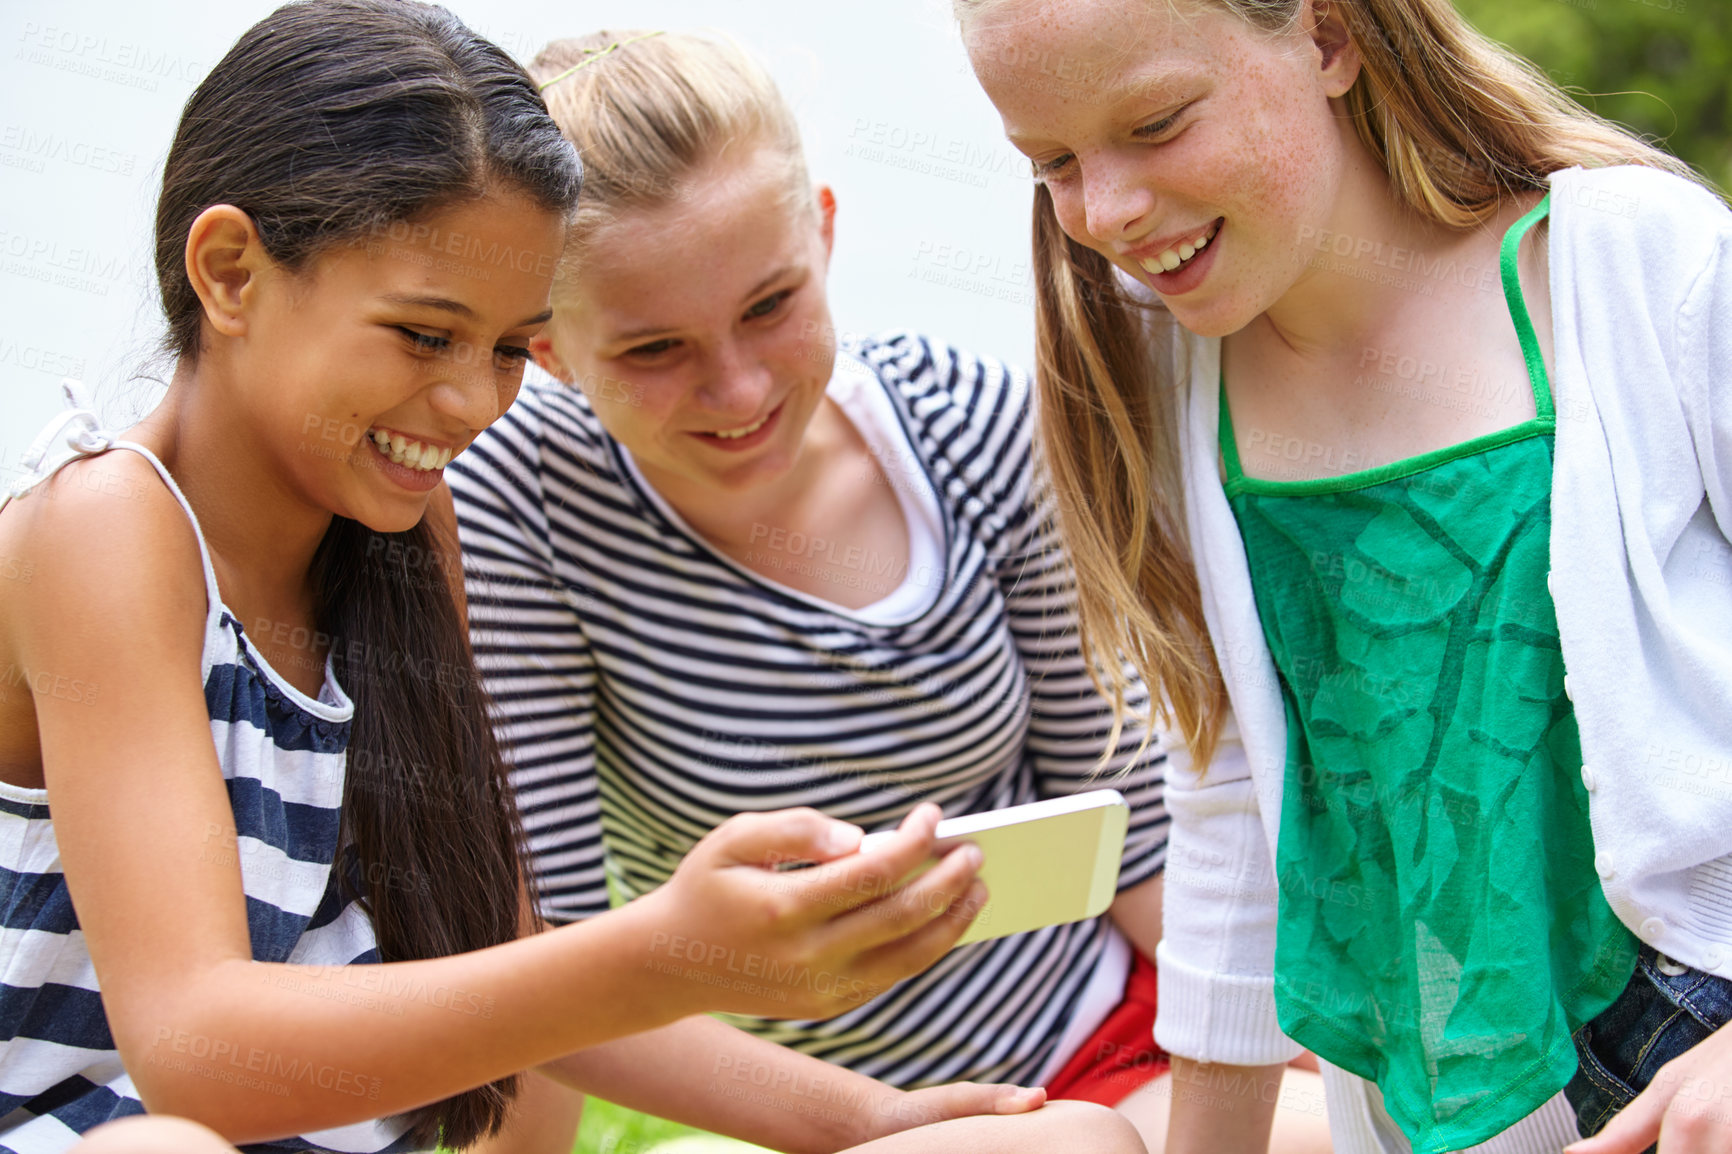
638 951
1206 1119
886 1111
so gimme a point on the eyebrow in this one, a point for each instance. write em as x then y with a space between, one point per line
640 334
769 280
457 308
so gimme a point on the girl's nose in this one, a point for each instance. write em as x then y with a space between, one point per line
469 391
1113 200
737 387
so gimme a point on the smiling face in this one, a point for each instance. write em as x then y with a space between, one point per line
700 329
1190 148
381 360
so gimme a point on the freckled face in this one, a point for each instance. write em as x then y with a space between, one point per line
1155 126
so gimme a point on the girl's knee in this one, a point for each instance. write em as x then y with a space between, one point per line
159 1135
1092 1127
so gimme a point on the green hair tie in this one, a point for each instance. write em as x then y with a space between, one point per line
592 55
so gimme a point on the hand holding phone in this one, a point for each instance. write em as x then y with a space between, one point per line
749 935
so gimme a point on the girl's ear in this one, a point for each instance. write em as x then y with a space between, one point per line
1339 55
224 259
541 348
827 216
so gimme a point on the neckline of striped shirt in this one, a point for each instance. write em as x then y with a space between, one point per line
872 410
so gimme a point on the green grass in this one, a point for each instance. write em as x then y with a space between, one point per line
611 1129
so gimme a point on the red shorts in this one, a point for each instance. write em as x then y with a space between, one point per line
1121 1055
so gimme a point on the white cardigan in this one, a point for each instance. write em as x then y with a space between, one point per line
1641 286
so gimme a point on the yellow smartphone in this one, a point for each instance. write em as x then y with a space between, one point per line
1044 863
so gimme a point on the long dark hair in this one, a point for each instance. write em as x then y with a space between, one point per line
329 120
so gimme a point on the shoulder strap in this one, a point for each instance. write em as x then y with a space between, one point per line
1229 441
81 433
1518 309
210 581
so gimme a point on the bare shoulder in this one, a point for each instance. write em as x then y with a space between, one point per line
100 586
104 542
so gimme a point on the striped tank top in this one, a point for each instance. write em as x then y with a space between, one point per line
283 758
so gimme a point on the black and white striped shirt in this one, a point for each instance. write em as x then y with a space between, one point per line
647 687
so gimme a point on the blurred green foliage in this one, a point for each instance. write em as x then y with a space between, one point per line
610 1129
1661 67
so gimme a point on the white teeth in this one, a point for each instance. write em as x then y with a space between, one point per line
1174 257
411 454
735 434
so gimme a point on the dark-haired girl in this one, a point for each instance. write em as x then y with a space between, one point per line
259 869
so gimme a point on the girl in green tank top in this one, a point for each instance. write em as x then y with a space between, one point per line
1441 928
1296 306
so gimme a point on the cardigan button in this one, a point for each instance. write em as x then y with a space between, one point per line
1550 586
1588 779
1713 957
1603 863
1567 694
1652 928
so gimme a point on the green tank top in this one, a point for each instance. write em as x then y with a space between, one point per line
1441 927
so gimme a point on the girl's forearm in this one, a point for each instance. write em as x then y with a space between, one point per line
342 1044
1220 1109
1137 913
259 1051
740 1085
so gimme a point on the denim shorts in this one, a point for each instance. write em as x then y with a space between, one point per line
1665 1010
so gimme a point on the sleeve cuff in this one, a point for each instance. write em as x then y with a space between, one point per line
1218 1018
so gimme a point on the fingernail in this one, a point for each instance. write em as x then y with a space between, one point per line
972 857
841 837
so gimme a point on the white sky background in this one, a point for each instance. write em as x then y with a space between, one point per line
931 232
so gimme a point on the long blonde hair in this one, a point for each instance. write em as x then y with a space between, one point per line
648 110
1459 124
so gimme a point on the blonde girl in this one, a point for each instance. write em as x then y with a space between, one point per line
719 560
1384 389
